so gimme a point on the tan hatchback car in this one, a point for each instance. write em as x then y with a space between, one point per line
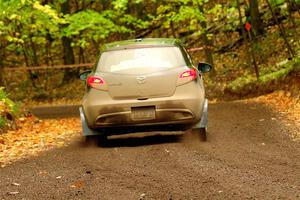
144 85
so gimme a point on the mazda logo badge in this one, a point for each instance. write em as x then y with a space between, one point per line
141 79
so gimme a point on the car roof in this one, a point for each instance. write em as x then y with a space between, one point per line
141 43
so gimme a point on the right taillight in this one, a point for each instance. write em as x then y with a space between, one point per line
96 82
187 76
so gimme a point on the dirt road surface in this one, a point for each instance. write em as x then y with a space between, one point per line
248 155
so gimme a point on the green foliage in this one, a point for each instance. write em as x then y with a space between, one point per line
12 107
187 12
277 2
274 73
120 5
3 94
28 24
241 82
33 32
2 122
89 25
6 106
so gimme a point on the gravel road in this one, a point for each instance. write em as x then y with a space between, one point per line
248 155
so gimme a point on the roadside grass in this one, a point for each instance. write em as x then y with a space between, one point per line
269 77
8 110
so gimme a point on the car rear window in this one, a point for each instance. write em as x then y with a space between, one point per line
141 60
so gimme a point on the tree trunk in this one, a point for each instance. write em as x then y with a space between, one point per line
1 63
68 52
49 60
105 4
208 43
282 31
1 73
241 21
296 6
31 74
256 22
243 31
69 57
253 56
35 59
290 8
96 47
27 58
173 29
81 56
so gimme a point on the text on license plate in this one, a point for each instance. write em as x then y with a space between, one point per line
143 113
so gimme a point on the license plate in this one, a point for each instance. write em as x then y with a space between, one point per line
143 113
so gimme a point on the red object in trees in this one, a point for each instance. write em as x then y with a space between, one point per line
248 26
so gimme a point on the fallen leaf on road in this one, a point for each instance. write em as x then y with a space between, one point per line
13 193
288 106
2 141
77 184
142 196
43 173
22 119
35 136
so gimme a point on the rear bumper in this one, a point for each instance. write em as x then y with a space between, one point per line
181 108
163 116
86 131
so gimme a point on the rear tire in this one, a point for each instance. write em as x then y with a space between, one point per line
200 133
102 140
96 140
90 140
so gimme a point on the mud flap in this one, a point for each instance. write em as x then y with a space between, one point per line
86 131
204 118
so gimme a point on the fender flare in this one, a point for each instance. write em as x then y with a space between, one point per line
86 131
204 118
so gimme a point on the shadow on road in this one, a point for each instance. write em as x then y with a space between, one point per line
133 140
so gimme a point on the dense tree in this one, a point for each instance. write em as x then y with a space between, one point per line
68 53
39 32
255 17
282 30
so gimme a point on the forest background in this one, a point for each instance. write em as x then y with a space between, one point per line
253 45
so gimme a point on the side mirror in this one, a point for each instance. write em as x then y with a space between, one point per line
204 67
83 76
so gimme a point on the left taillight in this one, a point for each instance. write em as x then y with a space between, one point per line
96 82
187 76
